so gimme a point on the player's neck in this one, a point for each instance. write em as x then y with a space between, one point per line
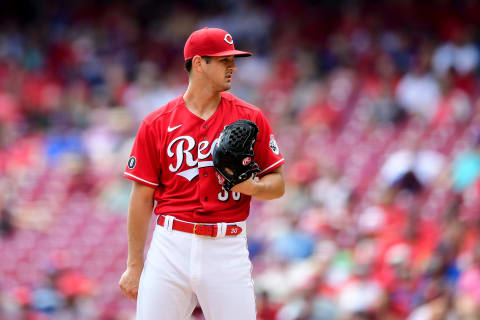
201 102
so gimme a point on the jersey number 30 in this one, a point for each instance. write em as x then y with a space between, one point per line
223 196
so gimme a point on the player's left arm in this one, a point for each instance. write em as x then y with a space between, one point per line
268 187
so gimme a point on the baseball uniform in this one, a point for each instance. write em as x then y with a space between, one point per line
198 252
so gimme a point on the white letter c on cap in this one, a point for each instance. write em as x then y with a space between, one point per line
228 38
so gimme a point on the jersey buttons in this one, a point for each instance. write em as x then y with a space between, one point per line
206 198
205 174
205 126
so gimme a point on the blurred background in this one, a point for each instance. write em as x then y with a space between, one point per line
375 106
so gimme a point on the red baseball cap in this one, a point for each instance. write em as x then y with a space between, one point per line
211 42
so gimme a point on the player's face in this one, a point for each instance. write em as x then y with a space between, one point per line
219 71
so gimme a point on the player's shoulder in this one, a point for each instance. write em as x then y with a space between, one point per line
159 114
240 104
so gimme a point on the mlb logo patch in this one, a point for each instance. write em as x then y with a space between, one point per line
273 145
132 162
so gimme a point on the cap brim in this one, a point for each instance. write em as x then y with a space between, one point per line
236 53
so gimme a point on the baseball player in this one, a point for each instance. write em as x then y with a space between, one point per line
198 252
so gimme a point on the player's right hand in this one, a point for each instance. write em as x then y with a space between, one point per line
129 282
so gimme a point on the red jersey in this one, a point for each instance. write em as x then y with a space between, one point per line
173 154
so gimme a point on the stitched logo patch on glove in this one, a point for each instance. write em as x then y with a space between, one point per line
221 180
246 161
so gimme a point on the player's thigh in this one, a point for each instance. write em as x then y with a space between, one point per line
233 303
162 298
164 288
226 289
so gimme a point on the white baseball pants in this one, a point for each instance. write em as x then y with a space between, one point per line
182 269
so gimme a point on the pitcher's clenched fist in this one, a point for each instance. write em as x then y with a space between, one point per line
129 282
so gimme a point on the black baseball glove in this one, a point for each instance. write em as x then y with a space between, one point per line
233 153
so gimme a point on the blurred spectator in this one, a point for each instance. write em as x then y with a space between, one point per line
466 167
321 112
418 92
454 107
294 245
458 53
360 294
148 92
46 298
332 191
6 225
266 309
437 308
76 290
385 109
468 288
412 168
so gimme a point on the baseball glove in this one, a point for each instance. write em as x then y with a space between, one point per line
233 154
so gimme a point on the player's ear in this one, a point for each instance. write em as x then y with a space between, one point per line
197 63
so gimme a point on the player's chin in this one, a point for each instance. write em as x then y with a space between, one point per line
227 86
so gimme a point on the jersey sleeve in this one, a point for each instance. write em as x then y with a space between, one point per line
267 153
143 166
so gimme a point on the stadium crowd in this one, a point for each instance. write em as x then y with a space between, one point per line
376 108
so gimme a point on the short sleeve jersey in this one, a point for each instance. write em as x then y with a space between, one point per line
173 154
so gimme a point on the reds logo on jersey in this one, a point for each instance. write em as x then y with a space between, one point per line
181 148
